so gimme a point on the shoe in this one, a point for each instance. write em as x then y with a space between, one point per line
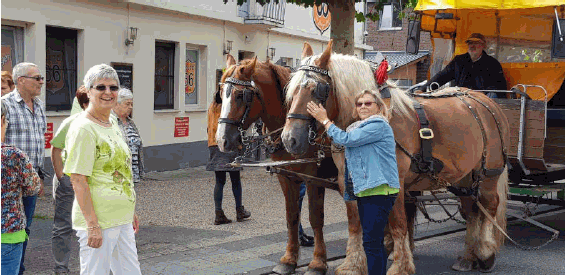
221 218
305 240
242 214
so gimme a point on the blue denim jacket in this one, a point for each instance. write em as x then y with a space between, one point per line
370 151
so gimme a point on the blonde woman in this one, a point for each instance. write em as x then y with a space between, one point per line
371 167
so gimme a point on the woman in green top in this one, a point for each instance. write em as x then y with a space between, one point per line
371 166
99 164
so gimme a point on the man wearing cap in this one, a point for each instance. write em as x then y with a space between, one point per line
474 70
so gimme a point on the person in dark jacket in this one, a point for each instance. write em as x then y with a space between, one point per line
474 70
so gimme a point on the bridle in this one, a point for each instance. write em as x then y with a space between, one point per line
321 93
248 94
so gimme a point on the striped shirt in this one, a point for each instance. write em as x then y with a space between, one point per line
26 129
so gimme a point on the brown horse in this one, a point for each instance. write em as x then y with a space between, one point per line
470 135
254 90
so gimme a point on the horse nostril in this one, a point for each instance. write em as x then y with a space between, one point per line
292 142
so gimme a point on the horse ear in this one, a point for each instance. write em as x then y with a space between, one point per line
250 69
324 60
230 61
307 51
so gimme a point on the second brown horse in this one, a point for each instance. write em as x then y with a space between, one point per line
253 90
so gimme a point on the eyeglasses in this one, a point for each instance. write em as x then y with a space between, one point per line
102 88
37 78
368 104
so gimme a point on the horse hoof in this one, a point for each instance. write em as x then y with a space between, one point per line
315 272
487 266
284 269
463 265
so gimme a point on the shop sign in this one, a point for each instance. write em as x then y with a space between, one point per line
181 127
49 135
7 58
322 17
190 81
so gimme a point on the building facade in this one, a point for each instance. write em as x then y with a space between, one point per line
388 36
170 53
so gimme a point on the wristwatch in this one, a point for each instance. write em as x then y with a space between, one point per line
325 122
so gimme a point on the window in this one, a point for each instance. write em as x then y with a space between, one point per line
164 76
191 76
285 61
12 47
61 69
389 16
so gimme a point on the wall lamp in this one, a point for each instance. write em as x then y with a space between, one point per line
132 35
227 46
271 53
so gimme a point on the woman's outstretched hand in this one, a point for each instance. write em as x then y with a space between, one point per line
317 111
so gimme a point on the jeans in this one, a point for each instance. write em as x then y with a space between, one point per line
11 257
62 223
29 208
348 194
300 199
235 187
373 212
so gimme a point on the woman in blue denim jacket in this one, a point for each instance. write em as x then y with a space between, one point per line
371 166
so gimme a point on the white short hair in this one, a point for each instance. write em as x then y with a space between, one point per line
124 94
21 69
99 72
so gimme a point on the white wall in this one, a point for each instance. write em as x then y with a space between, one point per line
102 31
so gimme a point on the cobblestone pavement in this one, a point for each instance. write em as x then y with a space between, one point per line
177 235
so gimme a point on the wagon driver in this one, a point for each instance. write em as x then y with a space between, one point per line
475 69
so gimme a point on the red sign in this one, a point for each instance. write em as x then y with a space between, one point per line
181 127
49 135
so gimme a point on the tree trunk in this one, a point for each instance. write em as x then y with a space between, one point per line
343 25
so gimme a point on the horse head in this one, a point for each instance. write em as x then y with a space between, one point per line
251 90
312 82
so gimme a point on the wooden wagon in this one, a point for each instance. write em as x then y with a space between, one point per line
528 39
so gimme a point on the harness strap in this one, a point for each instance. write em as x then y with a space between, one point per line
299 116
426 134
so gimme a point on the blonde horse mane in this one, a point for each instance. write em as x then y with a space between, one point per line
351 75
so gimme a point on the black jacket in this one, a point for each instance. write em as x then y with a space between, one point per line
484 74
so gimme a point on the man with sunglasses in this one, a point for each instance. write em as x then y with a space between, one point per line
27 127
475 69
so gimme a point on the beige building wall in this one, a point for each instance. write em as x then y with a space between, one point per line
204 25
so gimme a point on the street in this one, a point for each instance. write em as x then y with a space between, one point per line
177 235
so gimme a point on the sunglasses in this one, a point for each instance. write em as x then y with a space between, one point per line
368 104
37 78
102 88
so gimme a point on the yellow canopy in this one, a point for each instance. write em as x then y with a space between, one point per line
485 4
520 23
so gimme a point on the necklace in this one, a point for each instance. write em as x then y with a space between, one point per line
99 120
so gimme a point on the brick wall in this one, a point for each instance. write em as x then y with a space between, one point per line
392 40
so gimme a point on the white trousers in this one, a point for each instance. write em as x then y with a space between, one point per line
117 253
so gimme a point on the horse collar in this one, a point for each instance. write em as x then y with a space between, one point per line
314 69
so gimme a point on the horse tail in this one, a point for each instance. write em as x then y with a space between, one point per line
502 190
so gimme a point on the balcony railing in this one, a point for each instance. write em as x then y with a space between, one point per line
270 15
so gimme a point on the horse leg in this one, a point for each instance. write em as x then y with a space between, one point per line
288 262
493 196
318 265
403 258
482 239
355 262
411 211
